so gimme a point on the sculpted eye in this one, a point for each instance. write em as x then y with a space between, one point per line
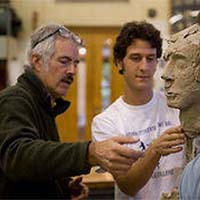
180 61
181 64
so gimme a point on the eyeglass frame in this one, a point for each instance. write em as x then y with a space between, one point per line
63 32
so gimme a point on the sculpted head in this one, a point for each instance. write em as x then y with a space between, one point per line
182 69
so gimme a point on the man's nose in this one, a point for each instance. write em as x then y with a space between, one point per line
72 68
144 64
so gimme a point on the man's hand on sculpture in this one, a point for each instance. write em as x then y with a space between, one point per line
169 142
112 155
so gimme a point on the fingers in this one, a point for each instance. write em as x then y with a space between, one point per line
175 136
78 180
78 189
125 160
121 167
75 186
117 161
114 167
112 150
121 158
125 139
167 151
173 130
84 193
75 182
170 141
125 151
128 153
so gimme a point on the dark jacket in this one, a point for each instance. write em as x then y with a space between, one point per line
32 161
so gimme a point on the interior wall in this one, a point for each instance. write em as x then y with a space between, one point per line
88 14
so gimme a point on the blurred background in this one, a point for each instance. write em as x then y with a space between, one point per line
97 83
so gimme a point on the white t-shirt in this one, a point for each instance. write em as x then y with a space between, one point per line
147 122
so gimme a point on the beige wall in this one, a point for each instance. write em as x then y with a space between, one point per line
90 14
95 14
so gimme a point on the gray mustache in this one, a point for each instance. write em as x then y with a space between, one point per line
68 79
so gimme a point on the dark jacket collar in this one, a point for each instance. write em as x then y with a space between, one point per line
31 82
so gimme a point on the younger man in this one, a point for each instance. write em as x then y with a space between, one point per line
142 112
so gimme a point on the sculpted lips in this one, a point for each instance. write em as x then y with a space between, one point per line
170 95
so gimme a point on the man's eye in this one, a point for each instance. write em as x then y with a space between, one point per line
64 62
135 59
150 59
76 63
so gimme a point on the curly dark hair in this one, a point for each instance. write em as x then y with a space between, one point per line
136 30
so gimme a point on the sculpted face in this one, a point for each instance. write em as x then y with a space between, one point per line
181 87
182 69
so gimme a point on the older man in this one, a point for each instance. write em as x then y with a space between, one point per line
32 161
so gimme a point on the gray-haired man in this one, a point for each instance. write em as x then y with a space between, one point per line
32 161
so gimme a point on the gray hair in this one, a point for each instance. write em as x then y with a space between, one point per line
42 42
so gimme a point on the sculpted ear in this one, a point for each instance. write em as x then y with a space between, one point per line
197 74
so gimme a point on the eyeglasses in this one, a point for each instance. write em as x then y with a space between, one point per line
63 32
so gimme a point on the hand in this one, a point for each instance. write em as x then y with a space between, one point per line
78 189
112 155
169 142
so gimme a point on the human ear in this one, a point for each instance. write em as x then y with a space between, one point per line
36 62
120 67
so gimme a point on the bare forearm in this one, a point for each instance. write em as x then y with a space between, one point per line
167 143
139 174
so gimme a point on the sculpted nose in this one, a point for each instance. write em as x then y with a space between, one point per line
168 80
166 77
